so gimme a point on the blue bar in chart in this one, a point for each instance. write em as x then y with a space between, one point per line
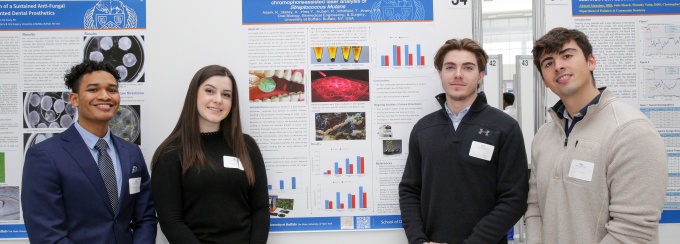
293 180
407 61
361 196
418 54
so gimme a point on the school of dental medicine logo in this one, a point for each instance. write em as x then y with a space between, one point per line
110 14
397 10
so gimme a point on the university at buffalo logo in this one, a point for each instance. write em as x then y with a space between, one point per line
110 14
397 10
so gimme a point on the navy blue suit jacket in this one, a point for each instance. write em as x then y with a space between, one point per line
64 198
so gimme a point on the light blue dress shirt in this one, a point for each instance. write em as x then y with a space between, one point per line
91 140
456 118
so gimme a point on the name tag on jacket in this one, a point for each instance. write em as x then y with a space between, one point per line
135 183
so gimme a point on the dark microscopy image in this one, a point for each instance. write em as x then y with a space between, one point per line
126 124
48 110
340 126
126 53
9 203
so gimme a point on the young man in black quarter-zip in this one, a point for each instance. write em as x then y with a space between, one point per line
465 179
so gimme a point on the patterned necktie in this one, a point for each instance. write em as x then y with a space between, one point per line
108 173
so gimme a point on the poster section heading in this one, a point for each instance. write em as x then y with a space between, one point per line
625 7
56 15
13 231
335 11
336 223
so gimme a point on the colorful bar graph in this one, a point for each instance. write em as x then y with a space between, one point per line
282 184
348 169
351 201
408 59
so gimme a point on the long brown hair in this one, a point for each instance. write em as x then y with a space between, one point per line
187 132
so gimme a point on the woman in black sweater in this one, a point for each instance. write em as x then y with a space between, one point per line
208 181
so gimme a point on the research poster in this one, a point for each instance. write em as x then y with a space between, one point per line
637 47
39 41
334 90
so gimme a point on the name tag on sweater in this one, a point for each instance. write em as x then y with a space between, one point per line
581 170
232 162
481 150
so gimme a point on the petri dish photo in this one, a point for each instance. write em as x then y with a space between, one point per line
126 53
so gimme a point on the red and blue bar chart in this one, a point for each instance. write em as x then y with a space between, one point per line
351 201
350 168
407 59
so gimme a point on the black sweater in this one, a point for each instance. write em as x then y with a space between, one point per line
446 195
215 204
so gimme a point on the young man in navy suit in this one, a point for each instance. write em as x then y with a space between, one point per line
78 189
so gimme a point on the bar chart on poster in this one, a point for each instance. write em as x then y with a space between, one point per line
343 198
402 56
284 181
340 163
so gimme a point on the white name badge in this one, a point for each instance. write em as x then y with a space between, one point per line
581 170
481 150
135 183
232 162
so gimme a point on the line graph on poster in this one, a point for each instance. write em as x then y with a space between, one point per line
661 82
660 40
